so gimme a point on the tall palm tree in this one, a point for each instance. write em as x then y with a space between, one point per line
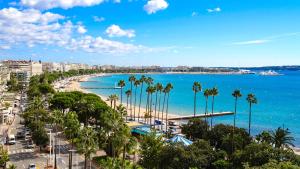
169 87
131 80
159 88
142 80
236 94
206 95
128 94
282 138
213 92
196 88
163 107
152 90
251 100
136 84
148 91
121 84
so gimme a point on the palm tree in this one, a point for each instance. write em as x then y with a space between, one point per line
128 94
169 87
163 107
236 94
152 90
131 80
148 91
213 92
136 84
142 80
115 98
196 88
282 138
159 88
251 100
121 84
111 100
206 95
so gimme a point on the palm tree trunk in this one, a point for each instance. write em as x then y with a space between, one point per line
194 104
121 95
158 105
155 107
131 100
167 112
162 112
140 101
134 102
250 107
206 101
126 108
212 112
234 117
147 104
150 110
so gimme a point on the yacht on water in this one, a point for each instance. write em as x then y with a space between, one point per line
268 73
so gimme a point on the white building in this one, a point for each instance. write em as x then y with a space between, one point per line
36 68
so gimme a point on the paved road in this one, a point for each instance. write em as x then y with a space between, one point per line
22 157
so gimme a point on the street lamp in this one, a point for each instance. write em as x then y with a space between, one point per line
50 146
70 158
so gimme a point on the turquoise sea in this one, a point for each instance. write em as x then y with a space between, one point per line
278 97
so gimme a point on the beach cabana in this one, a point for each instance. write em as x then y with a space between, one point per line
181 139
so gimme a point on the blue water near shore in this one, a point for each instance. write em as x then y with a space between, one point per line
278 97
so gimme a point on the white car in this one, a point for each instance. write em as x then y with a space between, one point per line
11 139
31 166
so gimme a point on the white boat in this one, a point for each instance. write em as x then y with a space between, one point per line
269 73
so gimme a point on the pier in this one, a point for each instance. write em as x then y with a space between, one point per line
104 87
201 116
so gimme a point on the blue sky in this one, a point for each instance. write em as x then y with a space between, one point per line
154 32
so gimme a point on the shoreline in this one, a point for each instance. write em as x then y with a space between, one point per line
74 85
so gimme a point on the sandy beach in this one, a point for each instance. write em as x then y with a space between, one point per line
74 85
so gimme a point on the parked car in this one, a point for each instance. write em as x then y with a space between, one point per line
30 144
32 166
20 135
11 140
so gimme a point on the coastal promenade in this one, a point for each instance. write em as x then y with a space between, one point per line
201 116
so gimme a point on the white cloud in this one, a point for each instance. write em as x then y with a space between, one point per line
153 6
252 42
100 45
65 4
81 29
217 9
117 1
116 31
31 27
98 19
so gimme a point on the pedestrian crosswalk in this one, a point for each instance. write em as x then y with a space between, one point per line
20 151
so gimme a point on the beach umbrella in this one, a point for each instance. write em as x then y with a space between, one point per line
181 139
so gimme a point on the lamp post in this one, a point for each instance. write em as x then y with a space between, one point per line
50 146
70 158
